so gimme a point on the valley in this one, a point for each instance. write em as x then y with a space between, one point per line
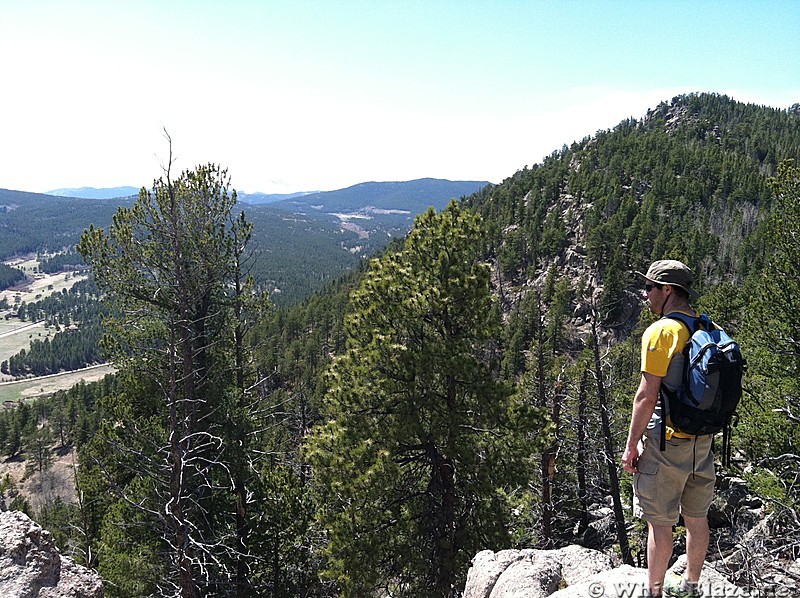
33 388
40 284
17 335
300 245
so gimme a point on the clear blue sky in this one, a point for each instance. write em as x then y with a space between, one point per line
301 95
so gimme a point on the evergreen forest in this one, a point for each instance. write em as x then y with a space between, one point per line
9 276
467 388
300 246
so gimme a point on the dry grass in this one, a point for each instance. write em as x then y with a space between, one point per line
39 489
59 479
16 335
35 388
41 286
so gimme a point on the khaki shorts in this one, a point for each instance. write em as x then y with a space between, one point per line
678 481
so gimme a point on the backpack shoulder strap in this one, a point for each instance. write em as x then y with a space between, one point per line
665 395
664 398
690 322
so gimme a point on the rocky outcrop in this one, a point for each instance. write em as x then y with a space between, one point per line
31 566
571 572
735 505
531 573
753 552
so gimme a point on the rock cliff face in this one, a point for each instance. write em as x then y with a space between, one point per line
32 567
571 572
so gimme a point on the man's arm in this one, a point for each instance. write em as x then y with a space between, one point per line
644 403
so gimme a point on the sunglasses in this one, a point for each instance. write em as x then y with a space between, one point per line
650 287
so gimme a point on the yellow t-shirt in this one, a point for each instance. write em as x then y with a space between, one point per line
662 356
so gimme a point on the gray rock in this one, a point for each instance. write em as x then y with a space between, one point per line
608 584
599 533
487 567
571 572
579 563
32 567
734 504
536 576
531 573
630 581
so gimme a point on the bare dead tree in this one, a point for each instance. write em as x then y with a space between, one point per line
610 453
581 452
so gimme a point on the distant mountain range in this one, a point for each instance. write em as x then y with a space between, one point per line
262 198
127 191
411 197
95 193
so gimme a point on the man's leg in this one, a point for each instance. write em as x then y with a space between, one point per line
696 546
659 552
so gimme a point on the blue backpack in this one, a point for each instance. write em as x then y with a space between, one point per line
713 368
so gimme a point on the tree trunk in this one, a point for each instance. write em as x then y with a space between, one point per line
445 524
581 456
444 551
610 456
240 482
548 455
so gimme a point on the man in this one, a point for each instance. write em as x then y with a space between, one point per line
678 481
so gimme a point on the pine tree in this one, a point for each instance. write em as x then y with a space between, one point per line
771 342
422 439
169 264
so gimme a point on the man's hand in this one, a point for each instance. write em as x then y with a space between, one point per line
630 458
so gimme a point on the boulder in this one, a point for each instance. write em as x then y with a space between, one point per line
734 505
32 567
630 581
600 533
570 572
486 569
536 576
531 573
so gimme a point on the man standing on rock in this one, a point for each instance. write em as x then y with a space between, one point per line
680 480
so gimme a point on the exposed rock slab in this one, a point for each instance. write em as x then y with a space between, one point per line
32 567
571 572
531 573
630 581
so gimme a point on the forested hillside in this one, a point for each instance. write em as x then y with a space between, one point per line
688 180
299 246
293 255
409 196
10 276
33 222
469 388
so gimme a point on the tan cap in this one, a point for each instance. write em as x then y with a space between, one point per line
671 272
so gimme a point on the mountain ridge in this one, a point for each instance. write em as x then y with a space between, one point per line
95 192
349 198
415 196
